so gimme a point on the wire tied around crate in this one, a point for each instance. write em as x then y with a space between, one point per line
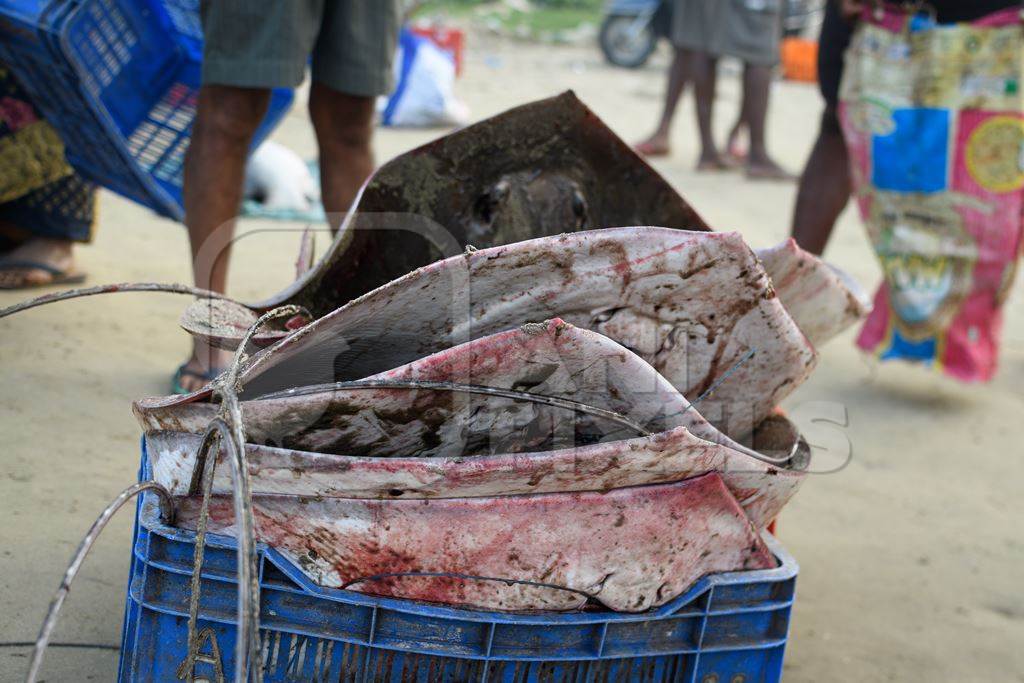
466 577
226 432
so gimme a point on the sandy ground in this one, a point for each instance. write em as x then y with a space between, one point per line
910 556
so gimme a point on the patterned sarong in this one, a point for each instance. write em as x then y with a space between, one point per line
40 194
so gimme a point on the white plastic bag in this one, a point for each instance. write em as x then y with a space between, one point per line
277 179
424 91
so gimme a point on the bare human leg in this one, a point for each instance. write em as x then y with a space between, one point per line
757 82
734 150
705 70
344 133
824 187
679 74
226 119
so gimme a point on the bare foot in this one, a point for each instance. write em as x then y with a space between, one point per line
39 262
735 151
202 367
654 146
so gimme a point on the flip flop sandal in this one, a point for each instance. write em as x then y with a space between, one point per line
183 371
736 159
723 166
57 276
645 149
777 175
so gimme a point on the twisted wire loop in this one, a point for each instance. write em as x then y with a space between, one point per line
219 436
226 433
50 622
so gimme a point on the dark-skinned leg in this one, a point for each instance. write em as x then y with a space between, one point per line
733 148
705 69
757 83
226 119
679 74
824 187
344 133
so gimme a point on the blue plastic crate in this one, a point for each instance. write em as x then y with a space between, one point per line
728 628
119 80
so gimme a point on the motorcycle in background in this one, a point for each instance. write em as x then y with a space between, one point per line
631 28
630 31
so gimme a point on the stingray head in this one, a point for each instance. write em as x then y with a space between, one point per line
548 201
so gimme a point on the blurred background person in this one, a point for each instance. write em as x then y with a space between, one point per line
252 46
702 32
825 183
45 208
924 125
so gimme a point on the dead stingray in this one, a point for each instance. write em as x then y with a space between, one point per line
822 299
695 305
630 549
540 169
760 488
550 359
545 168
469 445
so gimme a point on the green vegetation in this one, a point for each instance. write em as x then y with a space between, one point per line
536 18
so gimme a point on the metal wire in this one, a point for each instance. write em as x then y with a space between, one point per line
544 399
725 375
219 435
227 432
224 432
554 401
70 646
173 288
50 622
471 577
748 451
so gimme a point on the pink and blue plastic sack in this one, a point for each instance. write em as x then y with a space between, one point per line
424 86
932 118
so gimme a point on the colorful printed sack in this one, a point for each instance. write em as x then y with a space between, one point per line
932 118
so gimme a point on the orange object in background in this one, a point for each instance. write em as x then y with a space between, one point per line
451 40
800 59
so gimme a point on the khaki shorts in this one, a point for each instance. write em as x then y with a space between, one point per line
266 43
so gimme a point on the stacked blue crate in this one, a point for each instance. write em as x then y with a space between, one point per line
119 80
